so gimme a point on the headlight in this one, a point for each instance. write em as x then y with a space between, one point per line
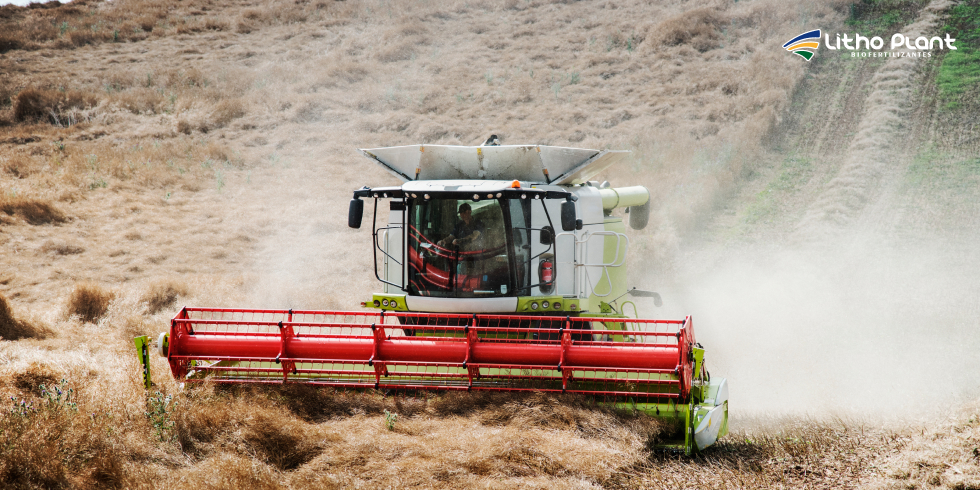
557 305
393 304
534 305
544 304
384 302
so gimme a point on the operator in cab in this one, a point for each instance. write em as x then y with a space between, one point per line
468 231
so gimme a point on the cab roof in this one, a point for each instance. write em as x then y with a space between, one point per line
527 163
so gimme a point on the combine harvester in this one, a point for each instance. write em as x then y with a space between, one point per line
503 270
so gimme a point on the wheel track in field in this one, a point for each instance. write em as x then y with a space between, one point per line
861 196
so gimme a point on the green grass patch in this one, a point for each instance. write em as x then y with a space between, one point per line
958 79
942 191
762 209
963 23
881 17
935 172
793 174
958 74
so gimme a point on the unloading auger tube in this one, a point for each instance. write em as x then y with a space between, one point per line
655 366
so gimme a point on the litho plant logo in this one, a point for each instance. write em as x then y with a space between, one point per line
804 43
901 46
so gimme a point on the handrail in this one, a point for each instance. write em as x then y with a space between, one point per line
384 250
617 261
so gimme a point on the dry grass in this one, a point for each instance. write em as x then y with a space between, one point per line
698 28
61 248
37 374
33 211
172 163
12 328
329 431
283 444
82 23
66 450
89 302
20 166
141 100
54 106
304 437
9 43
71 445
163 294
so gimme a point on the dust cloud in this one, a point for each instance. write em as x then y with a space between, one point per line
310 259
873 330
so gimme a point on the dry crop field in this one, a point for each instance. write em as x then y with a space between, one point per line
201 152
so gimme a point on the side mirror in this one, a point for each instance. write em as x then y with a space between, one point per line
547 236
355 213
639 215
568 216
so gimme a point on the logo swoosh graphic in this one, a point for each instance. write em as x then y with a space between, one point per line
806 35
804 43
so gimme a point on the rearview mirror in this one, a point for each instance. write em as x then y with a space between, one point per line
355 213
568 216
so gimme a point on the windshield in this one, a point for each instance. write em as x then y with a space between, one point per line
463 248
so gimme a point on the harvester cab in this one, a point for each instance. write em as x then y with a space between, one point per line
502 269
535 231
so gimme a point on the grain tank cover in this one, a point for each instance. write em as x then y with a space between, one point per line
528 163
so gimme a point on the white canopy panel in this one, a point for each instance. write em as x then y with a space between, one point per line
529 163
